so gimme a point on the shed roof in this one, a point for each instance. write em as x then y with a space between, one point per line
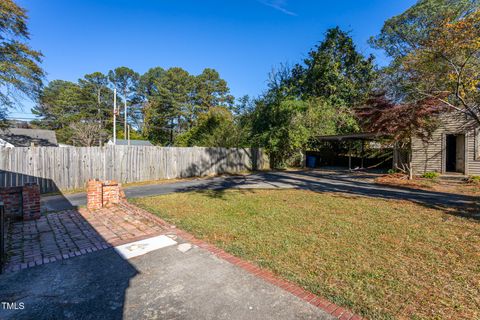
20 137
352 136
122 142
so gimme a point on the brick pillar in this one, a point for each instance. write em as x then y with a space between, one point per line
31 201
104 193
12 200
94 194
121 194
112 193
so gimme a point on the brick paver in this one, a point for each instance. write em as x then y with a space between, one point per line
72 233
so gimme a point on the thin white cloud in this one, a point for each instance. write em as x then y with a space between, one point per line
279 5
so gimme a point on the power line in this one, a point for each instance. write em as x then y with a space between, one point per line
56 121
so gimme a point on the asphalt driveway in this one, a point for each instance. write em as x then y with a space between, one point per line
360 184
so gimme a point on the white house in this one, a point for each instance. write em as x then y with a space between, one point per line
122 142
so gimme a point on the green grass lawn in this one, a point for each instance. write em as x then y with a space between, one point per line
383 259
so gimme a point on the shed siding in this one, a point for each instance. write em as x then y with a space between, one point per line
473 166
430 155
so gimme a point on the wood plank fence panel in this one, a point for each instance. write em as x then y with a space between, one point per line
70 168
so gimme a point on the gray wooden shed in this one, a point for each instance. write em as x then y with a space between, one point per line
452 148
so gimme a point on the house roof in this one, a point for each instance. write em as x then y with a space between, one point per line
122 142
20 137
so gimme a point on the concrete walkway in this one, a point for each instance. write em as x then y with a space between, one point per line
168 283
360 184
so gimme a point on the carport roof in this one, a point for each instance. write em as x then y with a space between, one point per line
351 136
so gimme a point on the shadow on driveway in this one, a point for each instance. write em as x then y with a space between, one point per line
362 184
53 267
163 284
355 184
92 286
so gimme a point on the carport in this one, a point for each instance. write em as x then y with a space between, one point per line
355 150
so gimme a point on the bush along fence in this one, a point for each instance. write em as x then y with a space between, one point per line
55 168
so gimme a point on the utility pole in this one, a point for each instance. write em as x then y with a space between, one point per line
125 97
115 116
128 135
100 142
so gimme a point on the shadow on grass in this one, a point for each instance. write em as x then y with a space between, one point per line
340 181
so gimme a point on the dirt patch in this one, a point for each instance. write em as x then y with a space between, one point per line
466 187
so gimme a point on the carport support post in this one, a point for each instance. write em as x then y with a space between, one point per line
410 167
363 152
350 156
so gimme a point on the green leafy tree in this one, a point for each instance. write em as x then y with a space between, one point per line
154 125
286 128
280 129
59 103
169 109
174 101
215 128
96 84
324 117
212 91
20 72
403 35
312 99
146 86
244 105
243 113
335 70
125 80
62 105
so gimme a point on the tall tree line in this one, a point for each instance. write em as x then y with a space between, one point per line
434 49
175 100
159 105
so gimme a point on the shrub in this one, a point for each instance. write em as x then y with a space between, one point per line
473 179
430 175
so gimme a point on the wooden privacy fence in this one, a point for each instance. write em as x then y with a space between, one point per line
55 168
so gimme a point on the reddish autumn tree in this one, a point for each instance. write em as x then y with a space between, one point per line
400 121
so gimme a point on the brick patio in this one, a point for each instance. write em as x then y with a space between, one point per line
71 233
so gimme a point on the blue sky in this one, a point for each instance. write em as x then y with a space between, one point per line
243 40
